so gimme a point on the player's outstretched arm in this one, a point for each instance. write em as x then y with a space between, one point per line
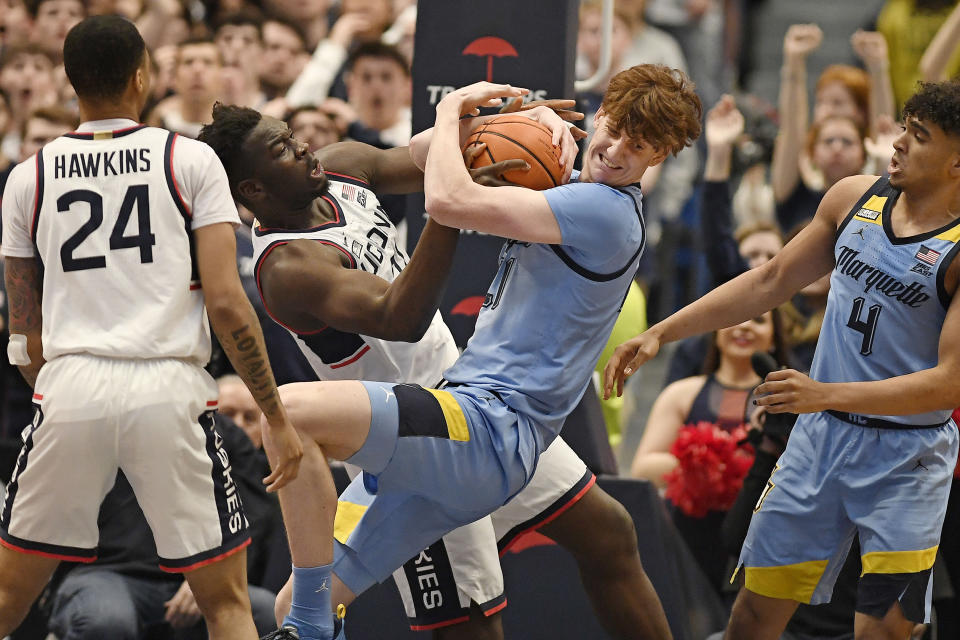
238 330
24 283
806 258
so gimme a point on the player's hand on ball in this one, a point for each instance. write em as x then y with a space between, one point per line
470 98
789 391
284 450
627 358
561 107
562 137
492 174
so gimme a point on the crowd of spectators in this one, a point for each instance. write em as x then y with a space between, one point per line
341 69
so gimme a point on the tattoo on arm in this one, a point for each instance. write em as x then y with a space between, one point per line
24 291
24 284
247 352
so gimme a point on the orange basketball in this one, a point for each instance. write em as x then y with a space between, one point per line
511 136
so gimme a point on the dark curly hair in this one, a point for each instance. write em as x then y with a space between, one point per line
656 103
226 134
937 102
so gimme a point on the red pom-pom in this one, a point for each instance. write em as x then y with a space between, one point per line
711 470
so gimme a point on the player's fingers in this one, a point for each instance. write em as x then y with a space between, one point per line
578 133
512 106
611 372
472 151
569 115
555 104
514 164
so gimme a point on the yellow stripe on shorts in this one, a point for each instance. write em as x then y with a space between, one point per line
789 581
347 518
898 561
453 415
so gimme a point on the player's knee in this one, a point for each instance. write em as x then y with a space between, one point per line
618 535
294 398
747 612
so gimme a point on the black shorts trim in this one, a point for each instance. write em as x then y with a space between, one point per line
419 413
877 592
489 608
226 492
67 554
14 485
196 561
880 423
561 504
433 589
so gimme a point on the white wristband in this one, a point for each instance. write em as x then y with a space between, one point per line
17 350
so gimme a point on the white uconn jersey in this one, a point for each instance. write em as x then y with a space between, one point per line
111 214
364 234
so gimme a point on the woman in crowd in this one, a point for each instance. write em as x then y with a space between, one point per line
722 396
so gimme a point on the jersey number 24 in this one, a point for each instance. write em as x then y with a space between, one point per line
137 196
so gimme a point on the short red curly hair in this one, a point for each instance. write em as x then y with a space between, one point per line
655 103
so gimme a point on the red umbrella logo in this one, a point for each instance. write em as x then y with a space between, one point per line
490 47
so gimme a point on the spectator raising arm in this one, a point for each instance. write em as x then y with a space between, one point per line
800 41
871 48
943 48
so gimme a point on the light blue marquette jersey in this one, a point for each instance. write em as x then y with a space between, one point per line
551 308
887 300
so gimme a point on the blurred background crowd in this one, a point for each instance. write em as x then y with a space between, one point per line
797 95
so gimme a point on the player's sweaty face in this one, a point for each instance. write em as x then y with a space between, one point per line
284 165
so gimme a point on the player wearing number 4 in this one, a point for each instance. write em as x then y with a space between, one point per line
874 450
116 237
435 460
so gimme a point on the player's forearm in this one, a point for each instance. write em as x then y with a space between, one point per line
755 292
446 179
933 389
411 301
420 143
238 330
24 287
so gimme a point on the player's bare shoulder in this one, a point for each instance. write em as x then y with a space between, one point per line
354 159
291 275
841 197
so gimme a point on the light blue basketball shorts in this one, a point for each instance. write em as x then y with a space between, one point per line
836 479
434 460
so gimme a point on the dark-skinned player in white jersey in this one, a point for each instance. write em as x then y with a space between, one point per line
109 324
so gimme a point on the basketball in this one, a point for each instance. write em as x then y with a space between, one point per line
511 137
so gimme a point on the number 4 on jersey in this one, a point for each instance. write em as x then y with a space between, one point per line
868 328
137 196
